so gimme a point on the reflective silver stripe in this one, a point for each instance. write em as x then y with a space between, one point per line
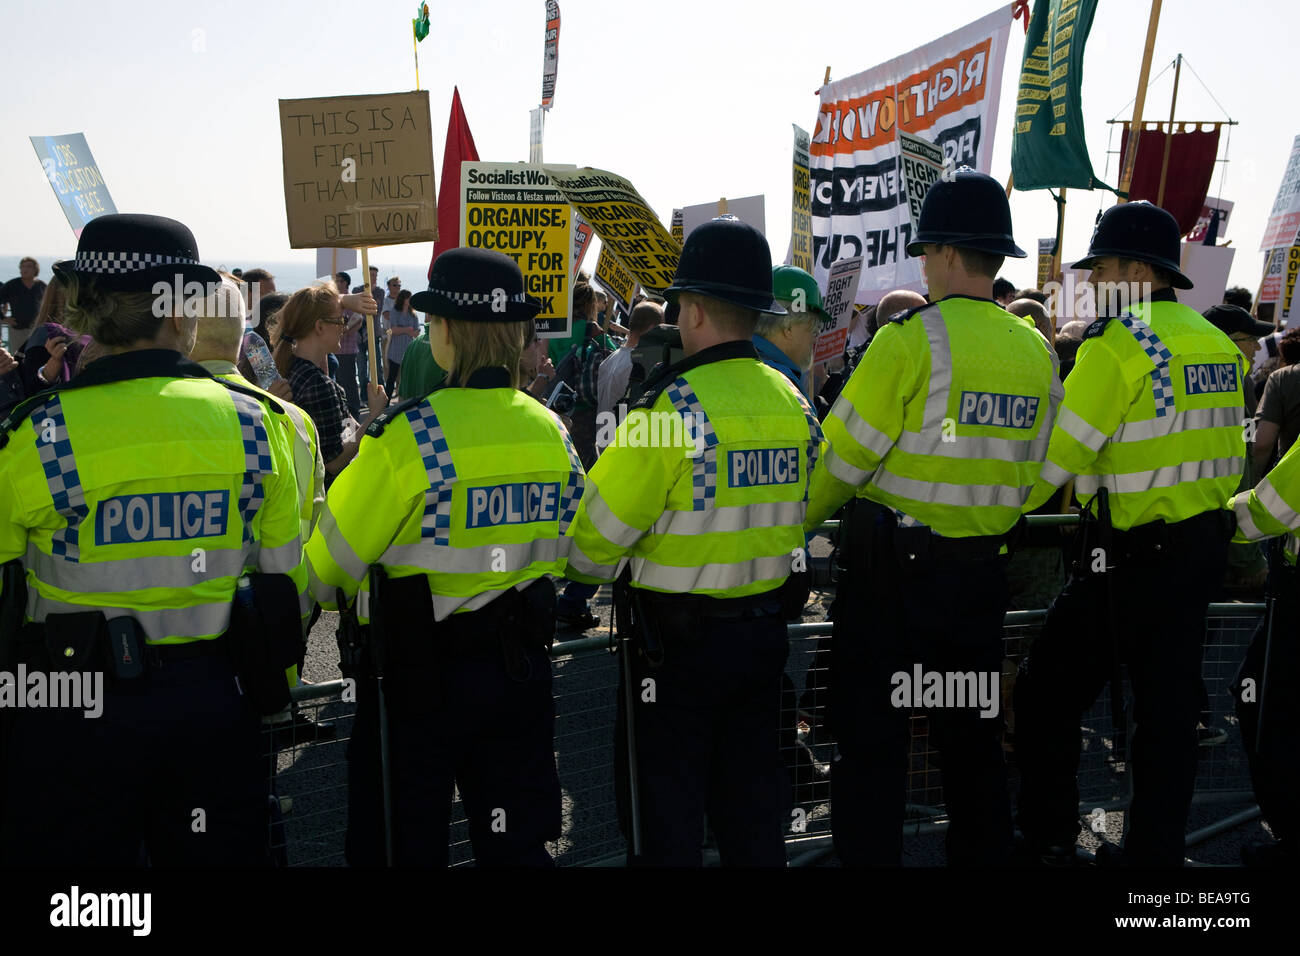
305 602
766 514
936 401
445 604
1245 521
1073 425
610 526
968 446
337 545
1277 508
201 620
842 470
937 492
579 561
321 591
427 556
1183 421
710 577
1054 474
1089 484
363 603
862 431
132 574
281 559
1171 475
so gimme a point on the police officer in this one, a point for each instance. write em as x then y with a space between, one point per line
1153 415
135 498
937 438
1265 685
462 498
704 490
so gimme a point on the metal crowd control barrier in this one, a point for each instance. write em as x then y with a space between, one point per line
309 778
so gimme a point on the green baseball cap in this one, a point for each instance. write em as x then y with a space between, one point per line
786 279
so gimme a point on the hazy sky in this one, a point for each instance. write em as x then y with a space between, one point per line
690 99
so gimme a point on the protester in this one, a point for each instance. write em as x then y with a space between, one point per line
615 371
363 336
50 356
403 326
1035 312
311 323
1279 407
535 367
421 373
347 353
23 297
1004 293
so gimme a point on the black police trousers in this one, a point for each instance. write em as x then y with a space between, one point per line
1274 767
708 743
891 613
171 773
1160 599
468 723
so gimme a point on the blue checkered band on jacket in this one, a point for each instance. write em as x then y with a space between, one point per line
576 483
432 444
55 450
477 298
115 263
1162 387
705 476
814 433
257 458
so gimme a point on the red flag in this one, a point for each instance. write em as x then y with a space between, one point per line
1191 166
460 149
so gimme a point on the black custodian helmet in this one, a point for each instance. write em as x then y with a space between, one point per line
1140 231
971 211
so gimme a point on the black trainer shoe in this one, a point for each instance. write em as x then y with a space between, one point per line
583 621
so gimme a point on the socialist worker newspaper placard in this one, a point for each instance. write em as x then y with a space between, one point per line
358 170
513 208
623 221
946 92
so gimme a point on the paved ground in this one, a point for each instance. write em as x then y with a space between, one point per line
314 777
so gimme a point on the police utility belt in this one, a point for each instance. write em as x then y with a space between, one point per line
261 642
1157 539
867 524
405 645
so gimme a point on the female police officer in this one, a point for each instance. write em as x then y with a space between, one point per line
462 498
135 498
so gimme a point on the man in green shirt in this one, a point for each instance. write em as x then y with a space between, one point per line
420 373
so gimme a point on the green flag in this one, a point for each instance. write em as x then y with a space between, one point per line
421 22
1048 148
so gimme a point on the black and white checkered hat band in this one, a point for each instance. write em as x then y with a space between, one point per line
115 263
474 298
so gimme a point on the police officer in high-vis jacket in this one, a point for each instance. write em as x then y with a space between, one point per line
702 495
154 511
937 437
461 498
1153 413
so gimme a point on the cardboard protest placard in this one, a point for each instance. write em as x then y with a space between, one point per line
837 302
1270 289
358 170
1292 270
623 221
922 166
74 177
330 261
1224 206
1284 218
614 279
550 53
750 209
582 233
800 206
1208 267
675 229
1045 247
514 209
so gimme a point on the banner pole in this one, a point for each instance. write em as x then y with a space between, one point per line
1169 136
1060 235
370 319
1135 128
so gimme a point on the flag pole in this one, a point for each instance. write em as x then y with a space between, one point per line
1135 129
1169 137
370 319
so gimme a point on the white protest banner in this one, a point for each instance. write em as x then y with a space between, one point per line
614 279
750 209
74 177
1208 267
623 222
1284 218
800 221
331 261
922 164
513 208
837 302
550 53
358 170
946 92
1224 206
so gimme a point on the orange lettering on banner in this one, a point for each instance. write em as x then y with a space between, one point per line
866 122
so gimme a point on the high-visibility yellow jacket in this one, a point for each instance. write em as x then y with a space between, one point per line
146 489
1154 412
945 420
705 489
473 487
